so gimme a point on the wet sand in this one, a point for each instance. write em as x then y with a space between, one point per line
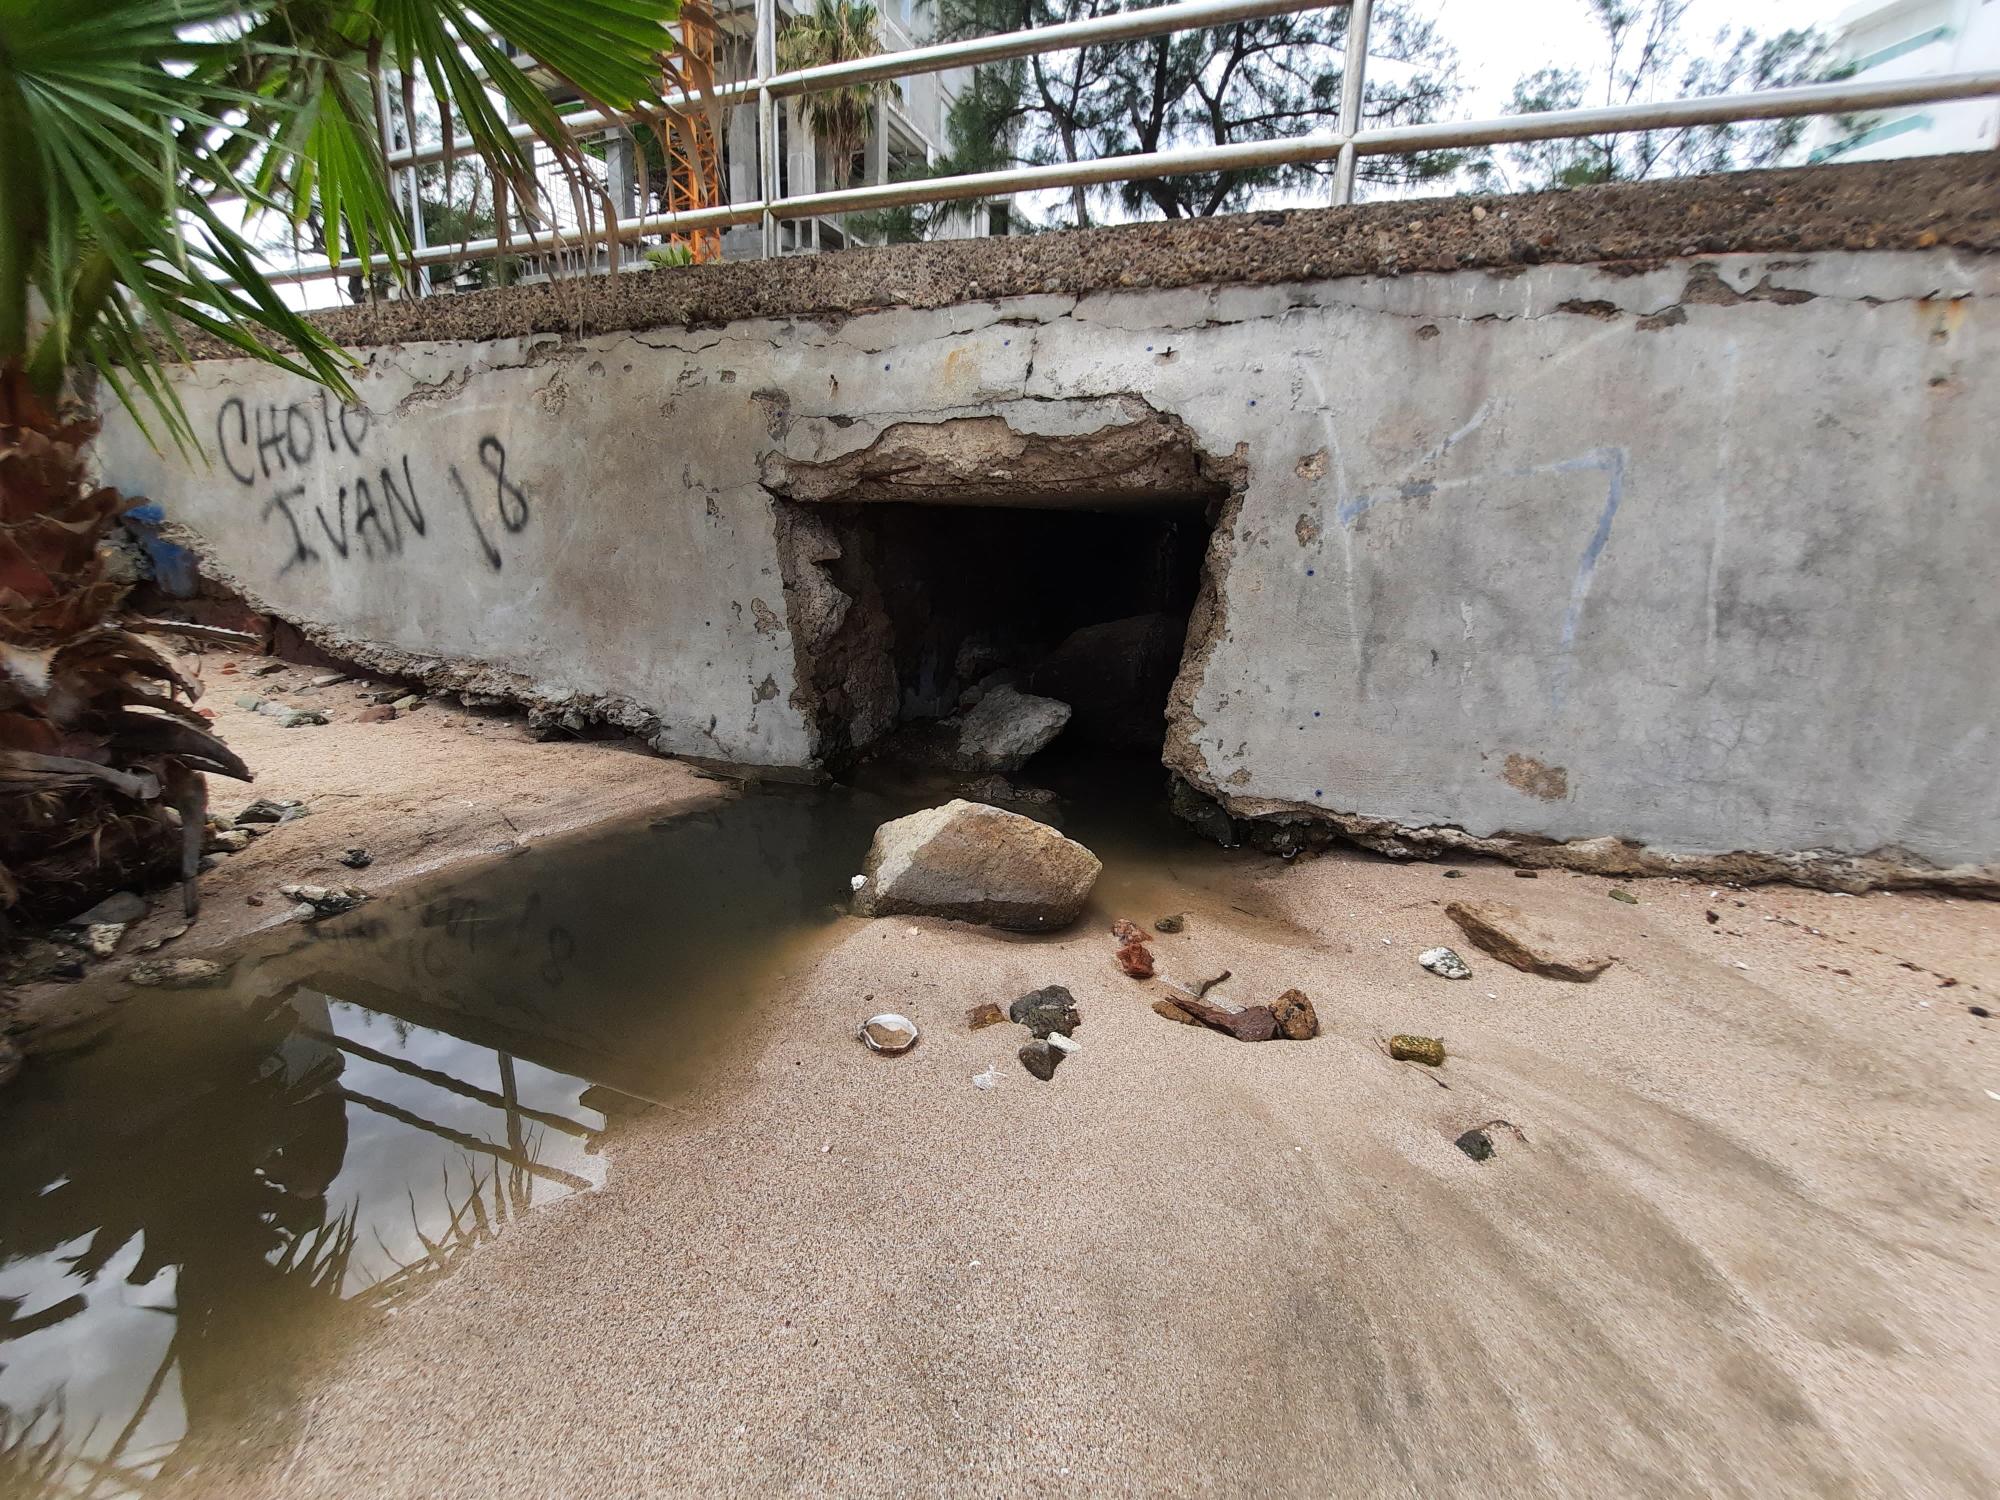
435 789
1746 1247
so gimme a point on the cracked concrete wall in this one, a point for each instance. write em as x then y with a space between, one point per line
1694 552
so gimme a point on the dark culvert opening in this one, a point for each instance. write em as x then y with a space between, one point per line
923 581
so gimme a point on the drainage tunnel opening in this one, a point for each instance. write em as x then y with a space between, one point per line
946 602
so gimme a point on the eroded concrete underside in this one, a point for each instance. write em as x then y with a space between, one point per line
1666 563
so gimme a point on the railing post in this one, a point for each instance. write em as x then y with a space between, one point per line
1353 80
767 121
419 240
402 182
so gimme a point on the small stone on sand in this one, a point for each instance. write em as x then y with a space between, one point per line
1428 1050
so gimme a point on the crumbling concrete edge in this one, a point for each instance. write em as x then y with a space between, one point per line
1946 201
476 681
1291 827
1208 621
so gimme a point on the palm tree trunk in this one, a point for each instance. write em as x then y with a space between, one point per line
96 745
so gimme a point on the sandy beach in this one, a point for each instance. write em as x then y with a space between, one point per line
1736 1239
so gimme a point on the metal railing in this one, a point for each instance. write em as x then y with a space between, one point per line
1344 145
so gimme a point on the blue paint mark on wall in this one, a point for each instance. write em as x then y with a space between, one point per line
174 569
1610 462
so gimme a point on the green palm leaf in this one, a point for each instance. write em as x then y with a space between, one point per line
125 120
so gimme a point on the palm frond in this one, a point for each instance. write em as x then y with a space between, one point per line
126 119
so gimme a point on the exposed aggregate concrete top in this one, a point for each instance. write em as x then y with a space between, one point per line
1949 201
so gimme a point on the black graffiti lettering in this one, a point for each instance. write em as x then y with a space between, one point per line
340 543
242 438
357 415
295 421
388 506
270 439
302 551
409 505
472 515
326 419
366 514
493 458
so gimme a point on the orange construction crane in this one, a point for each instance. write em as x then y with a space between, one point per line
689 136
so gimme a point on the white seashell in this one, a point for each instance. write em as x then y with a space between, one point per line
889 1032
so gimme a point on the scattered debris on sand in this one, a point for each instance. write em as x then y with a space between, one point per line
1051 1008
289 717
270 810
317 901
1252 1023
1136 960
1527 943
1040 1059
1445 963
1477 1142
1297 1020
1428 1050
888 1033
98 939
177 973
123 907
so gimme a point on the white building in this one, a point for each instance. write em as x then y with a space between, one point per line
1885 40
910 129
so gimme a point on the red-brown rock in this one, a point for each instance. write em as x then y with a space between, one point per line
1136 960
375 713
1529 944
1255 1023
1297 1020
1128 932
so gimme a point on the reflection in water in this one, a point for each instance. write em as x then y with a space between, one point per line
229 1179
223 1181
196 1208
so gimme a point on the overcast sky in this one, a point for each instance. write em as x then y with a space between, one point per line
1500 40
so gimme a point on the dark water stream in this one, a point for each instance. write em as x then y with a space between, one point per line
202 1199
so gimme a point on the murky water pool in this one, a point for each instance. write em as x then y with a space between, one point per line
206 1196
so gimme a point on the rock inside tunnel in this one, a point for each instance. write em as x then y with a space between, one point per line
948 576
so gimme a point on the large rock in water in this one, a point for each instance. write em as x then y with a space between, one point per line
975 863
1005 727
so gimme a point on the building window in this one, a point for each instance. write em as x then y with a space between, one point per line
1868 137
1908 45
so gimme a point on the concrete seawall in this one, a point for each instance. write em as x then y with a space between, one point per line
1636 529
